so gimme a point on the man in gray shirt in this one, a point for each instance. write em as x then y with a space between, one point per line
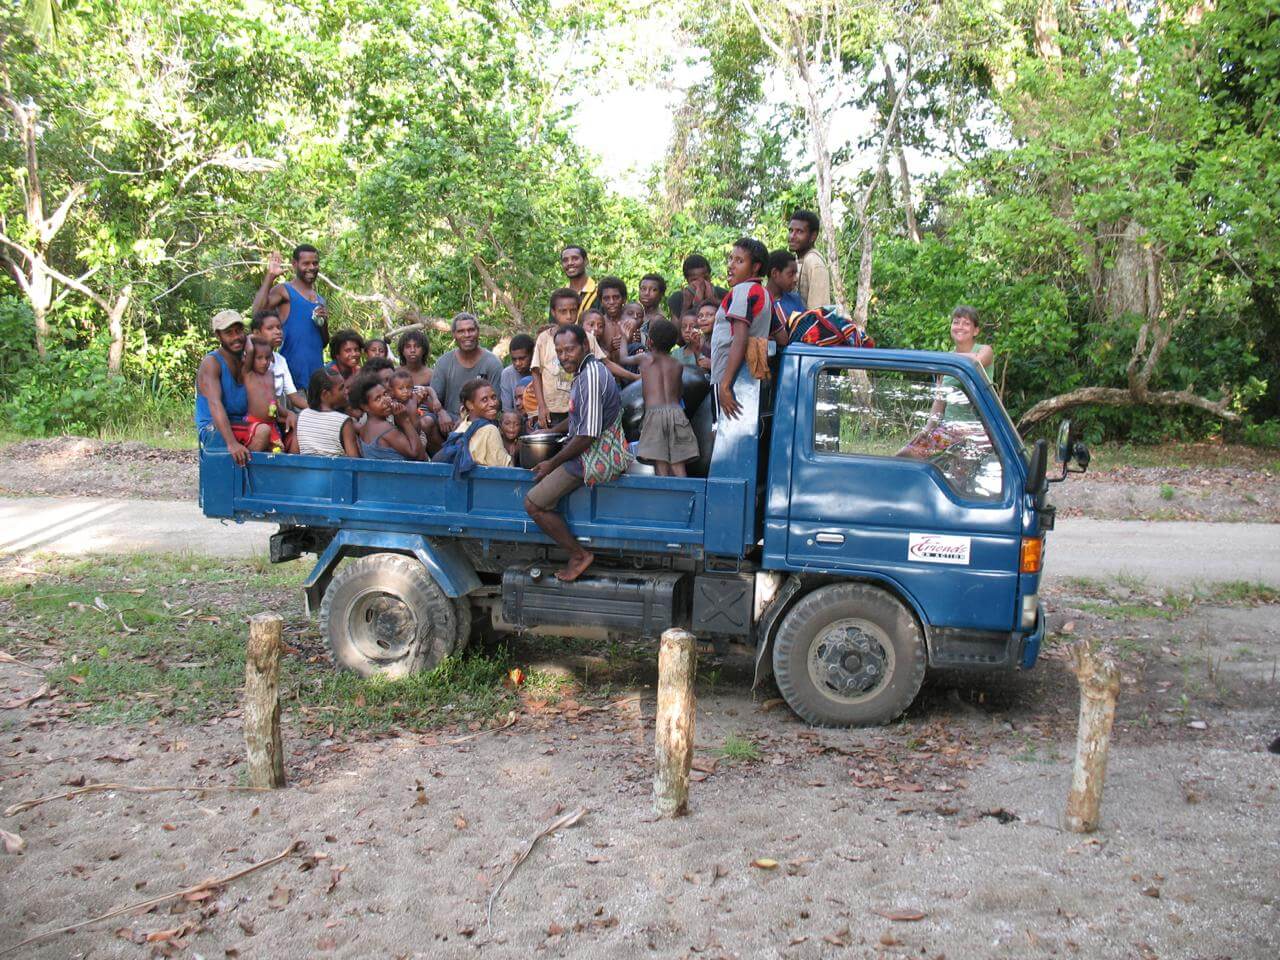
469 360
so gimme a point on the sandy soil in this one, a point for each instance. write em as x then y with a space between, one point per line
951 814
67 466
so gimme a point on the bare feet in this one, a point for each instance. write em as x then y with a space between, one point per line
576 566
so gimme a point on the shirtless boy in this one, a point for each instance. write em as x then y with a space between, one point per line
666 438
260 386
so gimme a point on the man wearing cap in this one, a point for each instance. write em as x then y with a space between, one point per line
221 400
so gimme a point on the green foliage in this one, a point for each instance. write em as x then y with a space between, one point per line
425 147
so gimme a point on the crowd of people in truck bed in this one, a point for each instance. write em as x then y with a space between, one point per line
269 387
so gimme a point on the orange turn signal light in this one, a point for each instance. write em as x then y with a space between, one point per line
1032 555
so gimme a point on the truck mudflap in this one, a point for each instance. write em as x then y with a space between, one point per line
446 562
1031 642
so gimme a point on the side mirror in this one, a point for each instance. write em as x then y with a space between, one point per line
1064 442
1037 467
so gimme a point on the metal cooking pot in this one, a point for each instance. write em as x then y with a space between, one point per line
539 446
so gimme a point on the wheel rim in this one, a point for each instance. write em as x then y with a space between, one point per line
851 660
382 627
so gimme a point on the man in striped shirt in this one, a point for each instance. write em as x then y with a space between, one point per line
594 405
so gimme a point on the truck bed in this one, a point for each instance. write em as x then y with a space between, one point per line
678 516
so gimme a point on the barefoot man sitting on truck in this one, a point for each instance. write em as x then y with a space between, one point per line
595 452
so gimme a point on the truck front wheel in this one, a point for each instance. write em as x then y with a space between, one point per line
383 615
849 655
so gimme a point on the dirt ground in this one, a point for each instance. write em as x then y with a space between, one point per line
1239 485
937 836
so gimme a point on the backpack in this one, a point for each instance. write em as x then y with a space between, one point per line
826 327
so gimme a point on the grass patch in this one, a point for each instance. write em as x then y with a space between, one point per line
145 637
739 749
1128 611
1167 491
547 686
1239 591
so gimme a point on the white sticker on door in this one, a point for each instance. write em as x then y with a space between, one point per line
936 548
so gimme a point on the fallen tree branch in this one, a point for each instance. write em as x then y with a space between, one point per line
123 788
1121 397
156 901
568 820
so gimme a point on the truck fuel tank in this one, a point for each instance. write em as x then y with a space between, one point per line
642 604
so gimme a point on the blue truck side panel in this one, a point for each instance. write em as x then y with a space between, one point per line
643 514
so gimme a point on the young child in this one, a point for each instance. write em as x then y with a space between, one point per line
515 376
375 349
404 393
260 386
666 438
267 323
324 429
627 343
512 426
345 350
653 290
415 356
706 324
593 323
690 352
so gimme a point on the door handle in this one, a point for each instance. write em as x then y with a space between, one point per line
830 538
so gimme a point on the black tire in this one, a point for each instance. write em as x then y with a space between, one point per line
466 625
383 615
849 655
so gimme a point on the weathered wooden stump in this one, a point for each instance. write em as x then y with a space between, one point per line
1099 680
261 711
673 729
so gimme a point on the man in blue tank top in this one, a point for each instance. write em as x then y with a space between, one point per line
221 400
302 311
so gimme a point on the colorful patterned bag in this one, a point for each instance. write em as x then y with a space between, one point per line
826 327
606 458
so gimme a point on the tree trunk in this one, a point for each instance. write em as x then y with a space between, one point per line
40 296
673 725
908 207
862 304
818 122
1046 27
116 322
261 709
1099 680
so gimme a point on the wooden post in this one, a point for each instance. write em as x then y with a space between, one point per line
1099 680
261 711
673 730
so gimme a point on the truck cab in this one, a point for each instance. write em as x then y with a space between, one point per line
870 514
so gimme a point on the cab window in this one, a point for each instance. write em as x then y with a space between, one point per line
910 415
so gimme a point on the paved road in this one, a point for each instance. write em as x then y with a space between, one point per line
1168 553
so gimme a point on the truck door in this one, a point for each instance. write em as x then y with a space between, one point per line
894 471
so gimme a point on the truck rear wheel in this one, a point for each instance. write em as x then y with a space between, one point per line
383 615
849 655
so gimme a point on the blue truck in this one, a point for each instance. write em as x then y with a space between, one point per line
871 514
